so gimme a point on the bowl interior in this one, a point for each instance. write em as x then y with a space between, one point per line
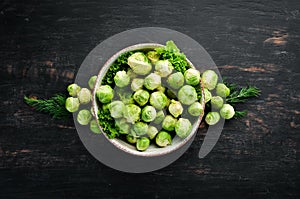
124 146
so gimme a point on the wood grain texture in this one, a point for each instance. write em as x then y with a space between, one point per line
42 45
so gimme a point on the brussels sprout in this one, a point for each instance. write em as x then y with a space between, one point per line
131 74
163 139
160 116
161 88
169 123
140 128
126 97
163 68
124 127
116 109
72 104
212 118
152 81
139 63
105 107
73 89
207 95
227 111
148 113
92 81
137 84
132 113
152 56
142 143
175 108
192 76
195 109
152 131
141 97
158 100
94 127
121 79
175 80
183 127
84 96
216 102
222 90
105 93
209 79
84 117
171 94
187 95
131 139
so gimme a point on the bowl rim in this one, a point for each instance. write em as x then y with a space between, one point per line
116 141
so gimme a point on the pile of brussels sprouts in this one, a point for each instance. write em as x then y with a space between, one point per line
152 102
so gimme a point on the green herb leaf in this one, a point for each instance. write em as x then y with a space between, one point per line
243 94
240 114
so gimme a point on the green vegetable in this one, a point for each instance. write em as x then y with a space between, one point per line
209 79
124 128
148 113
72 104
212 118
137 84
105 94
192 77
116 109
187 95
92 81
169 123
107 122
238 96
141 97
222 90
142 143
84 96
216 102
73 89
163 68
140 128
239 114
84 117
125 96
160 116
176 80
158 100
152 56
139 63
121 79
175 108
207 95
132 113
55 106
152 81
152 131
183 127
227 111
94 127
195 109
163 139
131 139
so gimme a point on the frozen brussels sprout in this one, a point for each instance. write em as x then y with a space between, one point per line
192 76
160 116
175 108
72 104
175 80
139 63
163 139
126 97
124 127
92 81
158 100
116 109
152 81
216 102
121 79
169 123
132 113
84 96
209 79
105 93
163 68
207 95
73 89
152 56
152 131
131 139
227 111
94 127
141 97
161 88
84 117
212 118
142 143
222 90
187 95
137 84
183 127
196 109
131 74
148 113
140 128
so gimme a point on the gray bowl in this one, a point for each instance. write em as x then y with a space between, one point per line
124 146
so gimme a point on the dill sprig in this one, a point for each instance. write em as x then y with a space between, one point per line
238 96
54 106
240 114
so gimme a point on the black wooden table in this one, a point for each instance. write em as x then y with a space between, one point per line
42 45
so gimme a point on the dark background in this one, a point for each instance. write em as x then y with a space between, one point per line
42 45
